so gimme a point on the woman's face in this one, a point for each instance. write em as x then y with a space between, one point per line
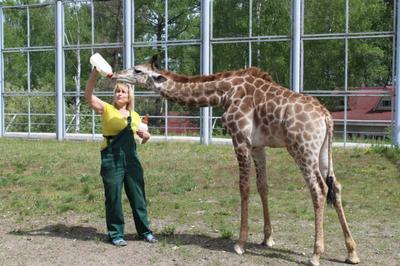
121 96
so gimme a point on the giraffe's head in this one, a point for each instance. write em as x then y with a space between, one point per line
147 75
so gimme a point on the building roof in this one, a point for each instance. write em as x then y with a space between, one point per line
365 103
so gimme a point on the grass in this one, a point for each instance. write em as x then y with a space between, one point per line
193 188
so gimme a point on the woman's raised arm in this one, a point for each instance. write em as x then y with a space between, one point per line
94 102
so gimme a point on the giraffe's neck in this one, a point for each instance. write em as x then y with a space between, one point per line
201 94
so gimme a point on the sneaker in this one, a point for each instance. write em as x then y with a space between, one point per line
150 238
119 242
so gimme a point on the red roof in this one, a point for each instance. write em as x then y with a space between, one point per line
361 106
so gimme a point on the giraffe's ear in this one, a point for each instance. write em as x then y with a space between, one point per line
154 62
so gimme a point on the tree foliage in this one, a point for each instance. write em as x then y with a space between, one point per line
33 70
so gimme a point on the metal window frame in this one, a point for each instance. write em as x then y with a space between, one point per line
205 42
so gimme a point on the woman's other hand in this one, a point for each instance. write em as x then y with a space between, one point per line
144 135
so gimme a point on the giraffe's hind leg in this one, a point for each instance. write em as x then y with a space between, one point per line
325 163
258 155
309 165
352 256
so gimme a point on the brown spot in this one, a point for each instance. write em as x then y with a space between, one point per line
286 93
223 85
239 92
309 127
249 88
277 112
302 117
242 123
258 83
298 108
272 89
245 108
257 119
298 127
237 81
258 97
250 79
314 115
214 100
306 136
270 107
308 107
270 118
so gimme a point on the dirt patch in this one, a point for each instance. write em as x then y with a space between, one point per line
69 241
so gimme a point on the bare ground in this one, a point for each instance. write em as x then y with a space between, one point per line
75 240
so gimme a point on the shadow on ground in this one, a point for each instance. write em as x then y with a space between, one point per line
87 233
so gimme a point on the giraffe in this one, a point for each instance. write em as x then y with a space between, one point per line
259 113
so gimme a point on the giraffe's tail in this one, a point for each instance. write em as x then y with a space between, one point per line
330 178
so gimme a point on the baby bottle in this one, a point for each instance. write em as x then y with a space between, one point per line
144 124
101 65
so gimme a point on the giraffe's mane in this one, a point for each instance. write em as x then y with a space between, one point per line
251 71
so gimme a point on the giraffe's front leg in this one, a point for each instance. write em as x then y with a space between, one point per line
243 157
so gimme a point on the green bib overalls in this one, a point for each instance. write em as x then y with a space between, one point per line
120 167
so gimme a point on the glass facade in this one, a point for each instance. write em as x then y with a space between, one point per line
347 58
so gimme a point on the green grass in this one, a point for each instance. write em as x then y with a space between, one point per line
191 186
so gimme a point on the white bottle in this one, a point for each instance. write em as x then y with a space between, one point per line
101 65
143 127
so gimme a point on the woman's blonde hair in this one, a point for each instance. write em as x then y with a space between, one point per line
131 98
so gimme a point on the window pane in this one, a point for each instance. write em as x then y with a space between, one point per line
149 20
15 114
274 58
183 19
184 60
230 18
370 62
108 21
42 71
43 118
144 54
323 64
42 29
78 117
15 72
77 19
271 17
74 58
370 15
324 16
15 27
231 56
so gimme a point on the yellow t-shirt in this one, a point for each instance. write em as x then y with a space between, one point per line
113 122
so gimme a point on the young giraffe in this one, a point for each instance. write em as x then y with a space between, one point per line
260 113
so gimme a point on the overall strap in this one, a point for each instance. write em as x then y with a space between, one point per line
129 119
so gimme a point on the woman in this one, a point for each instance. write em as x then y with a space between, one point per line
120 165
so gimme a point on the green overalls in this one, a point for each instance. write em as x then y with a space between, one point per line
120 167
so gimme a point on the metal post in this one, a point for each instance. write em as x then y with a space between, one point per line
1 75
60 134
128 34
396 126
205 69
296 45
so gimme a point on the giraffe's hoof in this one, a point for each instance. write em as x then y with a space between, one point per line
269 243
314 261
352 258
238 249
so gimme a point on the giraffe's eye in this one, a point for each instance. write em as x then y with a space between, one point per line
136 71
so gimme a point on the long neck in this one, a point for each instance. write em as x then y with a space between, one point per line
201 94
